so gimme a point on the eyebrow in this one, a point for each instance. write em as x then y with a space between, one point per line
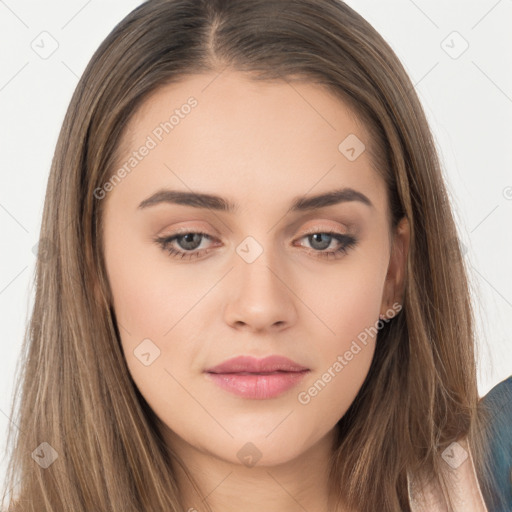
214 202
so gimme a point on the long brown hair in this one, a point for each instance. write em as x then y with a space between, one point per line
76 395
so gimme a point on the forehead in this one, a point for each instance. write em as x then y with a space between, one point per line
236 96
210 131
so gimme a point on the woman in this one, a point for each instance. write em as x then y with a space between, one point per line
253 294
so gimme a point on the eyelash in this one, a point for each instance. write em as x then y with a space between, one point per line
347 242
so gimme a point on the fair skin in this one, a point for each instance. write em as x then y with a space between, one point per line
259 145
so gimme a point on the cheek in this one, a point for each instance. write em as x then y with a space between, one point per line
343 361
345 300
154 309
150 295
154 305
347 305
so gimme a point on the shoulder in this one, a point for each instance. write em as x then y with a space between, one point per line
497 409
500 395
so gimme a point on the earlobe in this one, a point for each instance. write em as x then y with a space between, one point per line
394 287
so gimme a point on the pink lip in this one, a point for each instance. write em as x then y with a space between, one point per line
252 365
254 378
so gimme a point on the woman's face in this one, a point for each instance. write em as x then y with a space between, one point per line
258 283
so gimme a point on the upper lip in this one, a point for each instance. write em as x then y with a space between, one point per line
249 364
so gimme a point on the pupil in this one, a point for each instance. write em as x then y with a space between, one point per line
189 240
325 243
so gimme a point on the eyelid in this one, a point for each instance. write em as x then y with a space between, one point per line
325 227
343 230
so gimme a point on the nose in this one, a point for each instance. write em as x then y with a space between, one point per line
262 296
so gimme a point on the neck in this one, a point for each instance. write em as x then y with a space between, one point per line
225 486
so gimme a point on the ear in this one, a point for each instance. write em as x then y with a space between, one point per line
394 286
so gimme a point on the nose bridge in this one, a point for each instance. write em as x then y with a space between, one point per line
259 255
262 298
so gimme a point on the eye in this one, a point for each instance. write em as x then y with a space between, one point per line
185 245
323 239
190 241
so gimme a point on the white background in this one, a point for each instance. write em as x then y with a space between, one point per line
468 101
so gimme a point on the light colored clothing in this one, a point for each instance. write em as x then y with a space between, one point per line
465 488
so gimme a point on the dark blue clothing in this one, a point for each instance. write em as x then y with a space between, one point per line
498 403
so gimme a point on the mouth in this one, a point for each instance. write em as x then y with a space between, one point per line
257 379
257 386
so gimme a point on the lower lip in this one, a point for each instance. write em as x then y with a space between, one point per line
257 386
